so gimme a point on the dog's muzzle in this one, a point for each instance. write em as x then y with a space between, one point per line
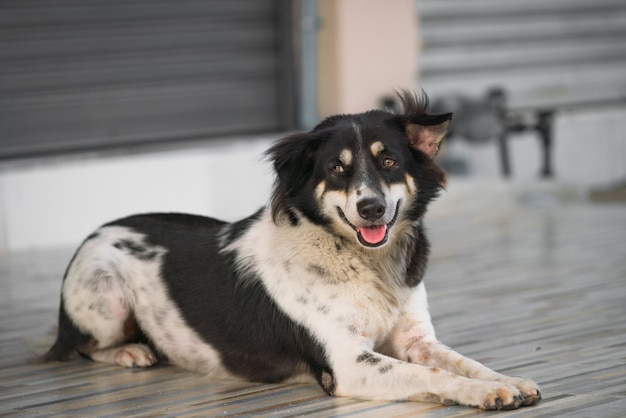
373 233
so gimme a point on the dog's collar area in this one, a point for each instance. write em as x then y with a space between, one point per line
371 235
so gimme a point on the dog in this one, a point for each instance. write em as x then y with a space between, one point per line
323 283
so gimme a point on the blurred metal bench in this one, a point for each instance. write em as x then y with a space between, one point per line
495 117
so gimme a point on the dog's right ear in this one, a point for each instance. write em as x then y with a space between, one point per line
292 158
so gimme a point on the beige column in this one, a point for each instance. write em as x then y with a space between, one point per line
366 49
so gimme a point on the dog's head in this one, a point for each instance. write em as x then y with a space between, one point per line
361 175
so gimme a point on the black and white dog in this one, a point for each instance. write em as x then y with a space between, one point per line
326 281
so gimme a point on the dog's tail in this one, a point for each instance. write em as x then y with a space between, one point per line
68 339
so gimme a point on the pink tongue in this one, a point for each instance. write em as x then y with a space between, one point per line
373 234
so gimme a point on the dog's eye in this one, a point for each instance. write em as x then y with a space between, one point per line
388 162
337 168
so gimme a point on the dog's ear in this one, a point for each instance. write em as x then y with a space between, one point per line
424 132
292 158
427 131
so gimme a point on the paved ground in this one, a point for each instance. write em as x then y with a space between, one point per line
534 292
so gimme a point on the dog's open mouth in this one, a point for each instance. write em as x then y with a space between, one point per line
371 235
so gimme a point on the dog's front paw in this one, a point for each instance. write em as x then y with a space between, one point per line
529 389
496 396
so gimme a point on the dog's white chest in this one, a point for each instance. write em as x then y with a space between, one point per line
321 286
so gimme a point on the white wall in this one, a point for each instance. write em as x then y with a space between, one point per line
591 146
57 204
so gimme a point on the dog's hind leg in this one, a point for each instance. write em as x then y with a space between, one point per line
98 300
122 351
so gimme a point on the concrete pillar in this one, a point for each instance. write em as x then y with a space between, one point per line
366 49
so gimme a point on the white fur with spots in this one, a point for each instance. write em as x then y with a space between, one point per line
105 289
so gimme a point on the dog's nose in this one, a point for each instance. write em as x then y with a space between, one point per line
371 209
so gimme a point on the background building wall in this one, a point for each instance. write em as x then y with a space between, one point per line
367 48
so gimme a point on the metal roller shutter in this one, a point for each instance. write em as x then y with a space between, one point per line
543 52
78 74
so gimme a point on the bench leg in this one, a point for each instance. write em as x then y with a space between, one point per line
544 129
505 162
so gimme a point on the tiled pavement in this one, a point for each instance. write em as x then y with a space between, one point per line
534 292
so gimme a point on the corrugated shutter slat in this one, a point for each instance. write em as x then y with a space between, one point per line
542 51
83 73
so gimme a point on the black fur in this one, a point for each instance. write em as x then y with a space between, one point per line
418 254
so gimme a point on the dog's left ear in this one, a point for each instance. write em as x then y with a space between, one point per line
425 132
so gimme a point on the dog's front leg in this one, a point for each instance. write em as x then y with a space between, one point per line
435 354
414 340
371 375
